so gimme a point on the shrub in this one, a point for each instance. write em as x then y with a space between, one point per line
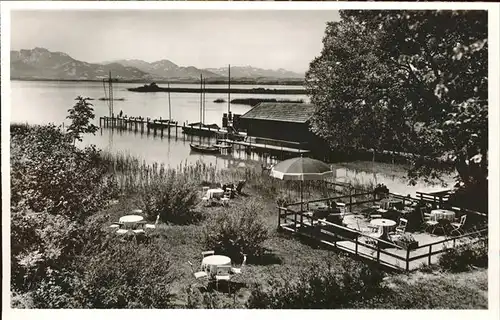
237 231
56 290
43 244
173 199
126 275
428 293
284 199
322 287
21 300
207 300
39 242
461 258
49 174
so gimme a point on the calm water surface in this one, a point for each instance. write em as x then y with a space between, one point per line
38 102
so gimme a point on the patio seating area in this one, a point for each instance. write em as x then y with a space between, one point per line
216 269
133 225
399 232
221 194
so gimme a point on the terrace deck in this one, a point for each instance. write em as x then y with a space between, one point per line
351 239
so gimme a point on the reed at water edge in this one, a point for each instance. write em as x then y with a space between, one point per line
131 174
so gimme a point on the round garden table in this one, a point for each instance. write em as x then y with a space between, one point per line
386 224
441 214
215 193
131 220
389 203
210 263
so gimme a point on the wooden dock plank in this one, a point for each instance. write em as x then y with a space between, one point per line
266 146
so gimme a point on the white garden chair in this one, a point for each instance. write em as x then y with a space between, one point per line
401 228
458 226
207 253
223 274
198 274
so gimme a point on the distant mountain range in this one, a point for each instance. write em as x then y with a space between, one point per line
40 63
167 69
252 72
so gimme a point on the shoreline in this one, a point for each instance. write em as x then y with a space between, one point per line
259 90
284 82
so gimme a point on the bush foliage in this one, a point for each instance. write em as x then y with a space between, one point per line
462 258
322 287
173 199
61 254
126 275
50 174
237 231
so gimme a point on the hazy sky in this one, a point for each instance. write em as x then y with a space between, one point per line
212 38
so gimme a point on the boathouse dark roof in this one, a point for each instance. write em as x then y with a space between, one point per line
288 112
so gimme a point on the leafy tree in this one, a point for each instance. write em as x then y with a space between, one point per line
80 116
407 81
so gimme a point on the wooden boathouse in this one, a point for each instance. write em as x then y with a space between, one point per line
287 123
279 121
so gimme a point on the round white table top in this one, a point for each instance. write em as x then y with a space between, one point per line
217 190
442 211
383 222
216 260
131 219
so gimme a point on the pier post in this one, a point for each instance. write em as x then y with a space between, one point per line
147 124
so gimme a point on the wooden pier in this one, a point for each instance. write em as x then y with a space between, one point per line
157 126
164 127
264 146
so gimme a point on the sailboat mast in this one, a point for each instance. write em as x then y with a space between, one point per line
169 106
204 98
110 95
229 91
201 97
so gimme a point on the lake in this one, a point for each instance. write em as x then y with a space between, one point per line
43 102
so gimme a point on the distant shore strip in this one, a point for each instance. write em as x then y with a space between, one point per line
149 88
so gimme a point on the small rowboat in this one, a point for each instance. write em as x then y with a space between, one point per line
204 148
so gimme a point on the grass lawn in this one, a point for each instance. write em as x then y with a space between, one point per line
286 256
